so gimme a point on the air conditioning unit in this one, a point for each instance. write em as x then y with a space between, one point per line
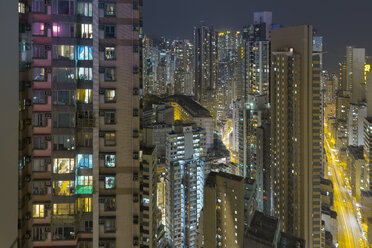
48 205
48 115
47 183
28 159
135 176
48 161
48 47
135 155
48 138
28 216
47 229
27 178
135 91
27 121
28 235
101 221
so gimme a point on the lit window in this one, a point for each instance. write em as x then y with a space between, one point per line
110 139
38 211
63 209
84 9
110 96
110 9
21 8
84 205
85 161
85 52
84 95
110 53
85 73
38 74
86 31
63 188
84 185
109 182
63 52
38 28
63 30
63 165
110 160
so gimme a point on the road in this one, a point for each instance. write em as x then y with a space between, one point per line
350 232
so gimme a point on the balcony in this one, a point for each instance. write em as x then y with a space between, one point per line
44 130
44 107
44 153
44 62
47 84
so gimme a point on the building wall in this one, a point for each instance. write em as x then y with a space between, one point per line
295 129
9 129
223 211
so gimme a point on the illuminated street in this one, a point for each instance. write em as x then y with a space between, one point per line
350 232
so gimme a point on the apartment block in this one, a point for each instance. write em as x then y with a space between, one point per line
79 123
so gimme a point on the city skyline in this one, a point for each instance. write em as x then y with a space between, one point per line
176 19
252 129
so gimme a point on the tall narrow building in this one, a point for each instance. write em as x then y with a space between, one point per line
184 184
206 67
79 124
296 132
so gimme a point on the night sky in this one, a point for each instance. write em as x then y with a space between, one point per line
341 22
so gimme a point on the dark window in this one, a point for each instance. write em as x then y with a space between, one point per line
109 204
64 120
39 52
63 7
110 74
109 117
109 226
110 31
63 142
63 233
40 143
38 6
39 233
39 97
39 120
63 97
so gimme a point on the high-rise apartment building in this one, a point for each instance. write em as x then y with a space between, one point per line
296 132
184 184
355 60
79 123
206 67
223 211
254 142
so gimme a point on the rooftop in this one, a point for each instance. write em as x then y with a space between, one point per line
263 228
211 179
192 107
356 151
